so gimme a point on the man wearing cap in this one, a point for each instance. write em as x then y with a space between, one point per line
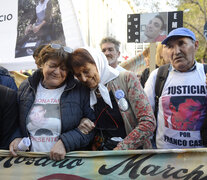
182 105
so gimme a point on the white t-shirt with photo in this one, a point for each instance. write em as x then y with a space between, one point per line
43 120
182 108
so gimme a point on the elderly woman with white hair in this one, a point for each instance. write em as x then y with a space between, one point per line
124 117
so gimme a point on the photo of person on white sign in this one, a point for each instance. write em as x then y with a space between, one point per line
21 31
153 27
39 22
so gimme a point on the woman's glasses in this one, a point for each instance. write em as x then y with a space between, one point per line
58 46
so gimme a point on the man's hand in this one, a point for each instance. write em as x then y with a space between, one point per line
86 126
58 151
36 29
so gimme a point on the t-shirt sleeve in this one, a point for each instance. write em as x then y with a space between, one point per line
150 88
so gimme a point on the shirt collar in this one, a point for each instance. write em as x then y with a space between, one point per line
171 68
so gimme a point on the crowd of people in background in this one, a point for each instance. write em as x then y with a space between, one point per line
83 100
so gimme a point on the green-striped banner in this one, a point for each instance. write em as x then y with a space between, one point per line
133 164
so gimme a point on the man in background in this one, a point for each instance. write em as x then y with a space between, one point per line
110 47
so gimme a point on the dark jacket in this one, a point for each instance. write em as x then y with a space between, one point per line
74 105
144 77
8 115
6 79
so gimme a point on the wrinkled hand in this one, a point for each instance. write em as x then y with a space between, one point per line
13 147
58 151
86 126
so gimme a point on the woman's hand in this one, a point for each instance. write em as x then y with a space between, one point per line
13 147
58 151
86 126
116 148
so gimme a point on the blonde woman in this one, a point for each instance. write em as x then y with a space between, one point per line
161 58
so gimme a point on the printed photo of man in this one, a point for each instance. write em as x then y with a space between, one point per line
153 27
192 119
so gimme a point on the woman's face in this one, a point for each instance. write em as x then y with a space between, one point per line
88 75
54 73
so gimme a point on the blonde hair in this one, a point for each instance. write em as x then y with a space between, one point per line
146 54
159 58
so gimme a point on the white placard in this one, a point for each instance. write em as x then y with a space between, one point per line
14 18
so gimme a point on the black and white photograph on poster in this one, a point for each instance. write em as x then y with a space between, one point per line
153 27
39 22
44 119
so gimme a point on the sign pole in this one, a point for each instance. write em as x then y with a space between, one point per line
152 64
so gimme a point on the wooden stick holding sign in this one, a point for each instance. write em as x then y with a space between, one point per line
152 64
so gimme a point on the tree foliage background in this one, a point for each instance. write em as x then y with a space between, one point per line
194 18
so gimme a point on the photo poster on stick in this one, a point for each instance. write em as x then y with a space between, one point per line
27 24
152 27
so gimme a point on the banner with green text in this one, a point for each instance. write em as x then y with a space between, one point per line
133 164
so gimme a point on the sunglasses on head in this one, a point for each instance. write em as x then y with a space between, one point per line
58 46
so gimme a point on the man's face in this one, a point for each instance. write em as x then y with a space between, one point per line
111 53
181 51
153 29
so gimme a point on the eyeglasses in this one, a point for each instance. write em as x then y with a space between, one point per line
58 46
